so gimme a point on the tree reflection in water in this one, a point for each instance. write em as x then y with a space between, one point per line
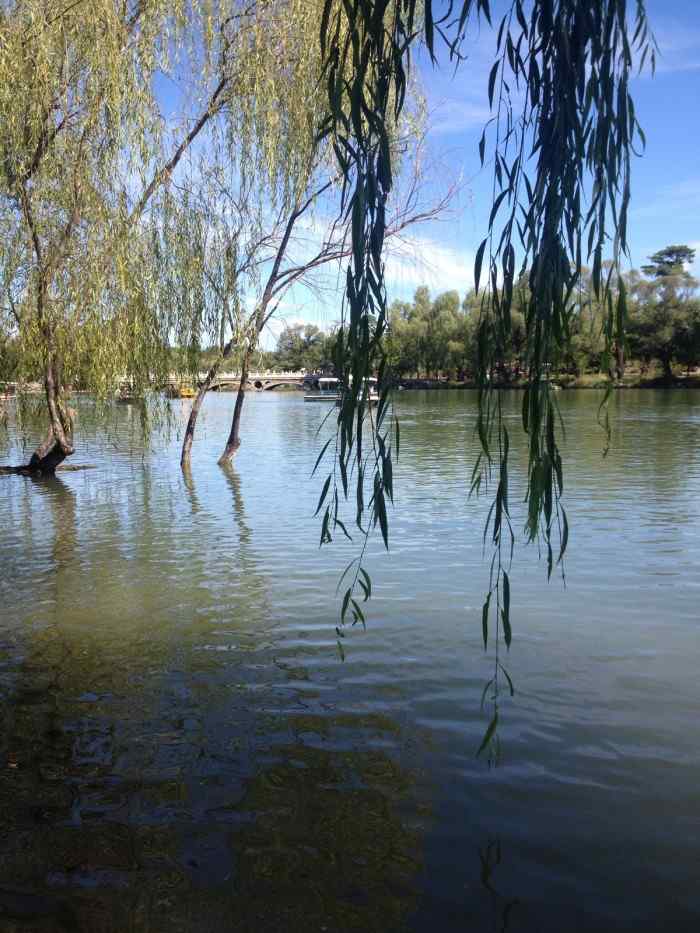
148 783
502 907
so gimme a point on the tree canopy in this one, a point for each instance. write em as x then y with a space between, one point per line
671 260
88 161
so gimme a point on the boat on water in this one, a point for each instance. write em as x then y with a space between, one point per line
372 394
331 389
180 391
328 390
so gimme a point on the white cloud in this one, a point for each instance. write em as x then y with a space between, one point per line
425 261
287 316
679 45
456 116
681 197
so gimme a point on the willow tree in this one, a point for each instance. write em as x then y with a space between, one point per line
85 157
559 145
226 229
227 257
74 94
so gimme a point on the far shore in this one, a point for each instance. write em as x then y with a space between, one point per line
587 381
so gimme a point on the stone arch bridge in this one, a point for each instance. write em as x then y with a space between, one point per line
260 381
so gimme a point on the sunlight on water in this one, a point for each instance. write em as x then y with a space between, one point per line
182 749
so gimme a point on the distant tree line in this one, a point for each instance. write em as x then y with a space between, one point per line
437 337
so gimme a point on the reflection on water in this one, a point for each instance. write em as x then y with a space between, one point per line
182 750
490 859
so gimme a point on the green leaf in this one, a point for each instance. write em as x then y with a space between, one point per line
508 678
507 633
489 734
485 620
484 692
478 263
358 614
346 602
497 203
324 493
320 457
380 505
492 81
564 534
325 532
368 582
429 29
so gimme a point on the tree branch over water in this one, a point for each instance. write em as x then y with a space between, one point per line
561 189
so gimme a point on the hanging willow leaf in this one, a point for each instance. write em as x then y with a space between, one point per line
320 457
507 676
478 263
367 582
485 620
492 81
380 505
563 125
506 595
324 493
496 204
489 734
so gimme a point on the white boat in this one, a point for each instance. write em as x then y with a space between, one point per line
331 390
372 394
328 390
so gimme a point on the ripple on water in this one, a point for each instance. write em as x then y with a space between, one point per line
181 744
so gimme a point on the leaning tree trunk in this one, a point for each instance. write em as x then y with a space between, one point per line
58 443
59 440
234 438
186 455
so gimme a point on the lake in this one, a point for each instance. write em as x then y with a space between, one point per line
182 748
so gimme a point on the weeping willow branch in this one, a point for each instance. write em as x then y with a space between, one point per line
565 130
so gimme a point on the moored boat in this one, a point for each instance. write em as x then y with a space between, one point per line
328 390
180 391
331 390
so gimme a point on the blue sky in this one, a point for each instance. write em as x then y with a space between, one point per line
666 180
665 183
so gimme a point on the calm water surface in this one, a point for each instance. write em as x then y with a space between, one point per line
181 748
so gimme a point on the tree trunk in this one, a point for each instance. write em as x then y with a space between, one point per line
619 361
186 455
58 443
234 438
